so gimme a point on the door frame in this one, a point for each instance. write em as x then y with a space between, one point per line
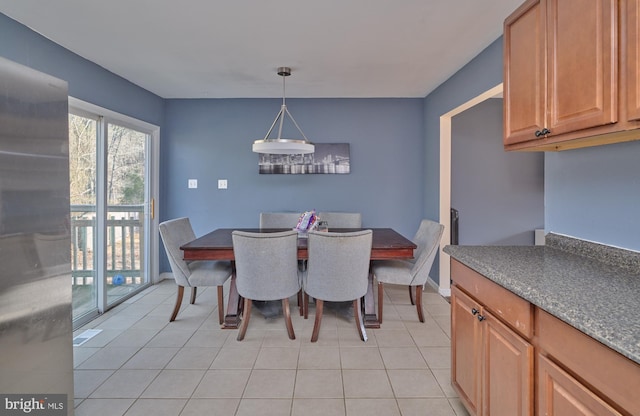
153 169
444 287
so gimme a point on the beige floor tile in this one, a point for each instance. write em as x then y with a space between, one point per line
156 407
360 358
264 407
319 358
134 337
171 337
458 407
394 338
421 407
193 358
277 358
414 384
366 384
222 384
80 354
270 384
238 357
125 384
103 407
208 338
318 384
318 407
437 357
210 407
402 357
368 407
150 358
443 377
139 358
108 358
174 384
86 381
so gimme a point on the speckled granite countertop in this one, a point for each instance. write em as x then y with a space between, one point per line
594 288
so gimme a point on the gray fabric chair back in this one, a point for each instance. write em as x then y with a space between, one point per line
338 265
279 219
175 233
342 219
266 264
427 239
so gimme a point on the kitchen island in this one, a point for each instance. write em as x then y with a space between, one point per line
556 325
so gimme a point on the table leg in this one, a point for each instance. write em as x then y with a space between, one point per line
370 317
232 318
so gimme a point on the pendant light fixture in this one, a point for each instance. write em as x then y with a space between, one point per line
279 145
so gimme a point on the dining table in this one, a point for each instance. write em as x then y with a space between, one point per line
387 244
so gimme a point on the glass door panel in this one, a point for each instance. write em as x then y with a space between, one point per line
82 177
126 222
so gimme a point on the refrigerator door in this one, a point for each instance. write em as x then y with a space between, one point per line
35 271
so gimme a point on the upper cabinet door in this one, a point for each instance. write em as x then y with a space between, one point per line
582 57
524 72
633 59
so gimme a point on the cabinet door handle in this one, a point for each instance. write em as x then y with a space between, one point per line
538 133
480 318
545 132
474 311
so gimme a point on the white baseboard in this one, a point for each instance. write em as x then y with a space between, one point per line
441 291
445 292
163 276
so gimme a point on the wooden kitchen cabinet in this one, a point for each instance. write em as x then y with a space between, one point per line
492 365
562 84
632 58
559 394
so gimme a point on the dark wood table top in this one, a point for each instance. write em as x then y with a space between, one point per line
218 245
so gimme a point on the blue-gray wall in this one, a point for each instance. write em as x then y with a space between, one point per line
209 140
594 194
87 81
499 195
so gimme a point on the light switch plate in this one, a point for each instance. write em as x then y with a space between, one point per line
193 183
222 184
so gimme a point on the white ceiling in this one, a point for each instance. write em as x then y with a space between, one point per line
231 49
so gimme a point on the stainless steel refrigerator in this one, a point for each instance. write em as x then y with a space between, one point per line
36 353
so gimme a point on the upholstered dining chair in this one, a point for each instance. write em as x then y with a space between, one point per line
266 269
176 233
337 271
413 273
283 220
341 219
279 219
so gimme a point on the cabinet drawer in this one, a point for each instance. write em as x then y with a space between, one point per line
595 364
510 308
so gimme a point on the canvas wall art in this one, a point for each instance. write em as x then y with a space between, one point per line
328 158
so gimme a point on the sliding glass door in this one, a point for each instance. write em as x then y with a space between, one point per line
111 211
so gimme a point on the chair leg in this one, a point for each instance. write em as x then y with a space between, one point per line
413 302
306 305
176 308
419 302
246 314
220 305
300 302
193 294
316 325
380 300
357 312
287 318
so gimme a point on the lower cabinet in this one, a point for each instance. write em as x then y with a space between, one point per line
492 366
559 394
495 338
